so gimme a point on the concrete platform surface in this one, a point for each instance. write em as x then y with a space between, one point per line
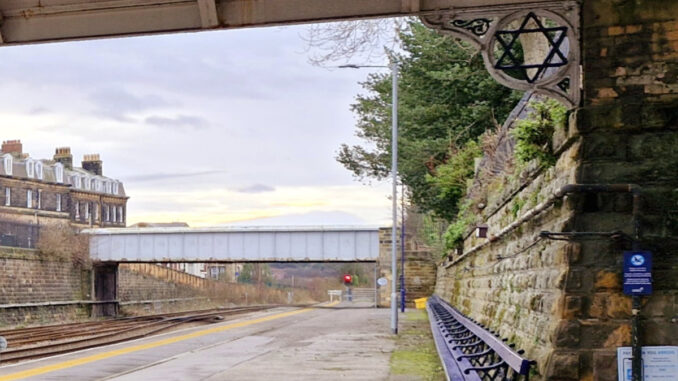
350 341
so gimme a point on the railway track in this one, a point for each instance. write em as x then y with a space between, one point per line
36 342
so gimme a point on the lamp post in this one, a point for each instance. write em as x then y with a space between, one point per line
394 174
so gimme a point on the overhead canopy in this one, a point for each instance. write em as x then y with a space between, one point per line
30 21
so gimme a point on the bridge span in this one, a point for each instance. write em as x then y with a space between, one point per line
235 244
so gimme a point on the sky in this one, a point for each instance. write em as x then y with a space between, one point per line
210 128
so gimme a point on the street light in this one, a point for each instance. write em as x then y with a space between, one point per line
394 173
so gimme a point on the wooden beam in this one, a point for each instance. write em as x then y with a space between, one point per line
208 13
31 21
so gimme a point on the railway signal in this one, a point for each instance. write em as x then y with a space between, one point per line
348 279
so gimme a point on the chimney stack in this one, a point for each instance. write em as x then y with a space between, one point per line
13 147
93 164
63 156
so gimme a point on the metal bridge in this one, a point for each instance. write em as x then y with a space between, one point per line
237 244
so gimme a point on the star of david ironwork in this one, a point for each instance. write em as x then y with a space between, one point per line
508 40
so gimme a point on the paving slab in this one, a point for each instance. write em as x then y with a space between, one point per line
350 341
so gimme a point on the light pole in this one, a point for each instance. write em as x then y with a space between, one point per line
394 174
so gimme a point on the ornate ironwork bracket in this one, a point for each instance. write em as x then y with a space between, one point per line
524 47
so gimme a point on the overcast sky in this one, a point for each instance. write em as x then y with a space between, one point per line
206 128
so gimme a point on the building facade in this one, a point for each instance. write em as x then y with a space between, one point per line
35 193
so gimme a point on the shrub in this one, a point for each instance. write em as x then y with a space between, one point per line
60 241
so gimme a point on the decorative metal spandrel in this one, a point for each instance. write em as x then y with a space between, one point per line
479 27
510 40
556 73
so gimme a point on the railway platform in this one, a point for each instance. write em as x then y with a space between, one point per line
339 341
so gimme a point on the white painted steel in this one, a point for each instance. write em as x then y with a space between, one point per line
304 244
30 21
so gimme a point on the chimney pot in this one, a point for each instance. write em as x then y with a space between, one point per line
63 155
93 163
12 147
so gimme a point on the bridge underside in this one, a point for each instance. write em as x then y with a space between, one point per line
223 245
30 21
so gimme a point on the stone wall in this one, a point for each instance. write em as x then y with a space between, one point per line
29 280
148 288
561 301
420 269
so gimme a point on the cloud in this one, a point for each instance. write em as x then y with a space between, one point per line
256 188
166 176
117 103
179 122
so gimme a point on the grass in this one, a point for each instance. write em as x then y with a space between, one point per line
415 356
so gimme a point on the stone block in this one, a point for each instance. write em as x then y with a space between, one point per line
608 280
563 366
567 334
605 366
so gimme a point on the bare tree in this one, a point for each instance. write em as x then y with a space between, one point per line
369 40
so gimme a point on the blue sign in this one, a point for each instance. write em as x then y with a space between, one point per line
637 273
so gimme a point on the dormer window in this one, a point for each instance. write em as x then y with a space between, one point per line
7 163
93 184
108 186
59 172
38 170
85 182
76 181
115 188
30 168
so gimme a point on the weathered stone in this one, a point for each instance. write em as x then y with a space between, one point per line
619 337
567 334
605 366
563 366
608 280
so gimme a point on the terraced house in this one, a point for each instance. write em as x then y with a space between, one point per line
35 193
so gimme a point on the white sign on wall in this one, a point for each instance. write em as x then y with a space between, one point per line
659 363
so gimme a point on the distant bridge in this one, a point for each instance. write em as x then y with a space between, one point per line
237 244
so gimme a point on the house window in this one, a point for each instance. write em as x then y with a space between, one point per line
38 170
29 198
77 210
8 196
7 162
108 213
30 168
76 181
58 202
121 219
115 188
59 172
109 188
113 214
96 212
87 211
39 198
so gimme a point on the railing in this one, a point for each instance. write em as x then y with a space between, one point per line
469 352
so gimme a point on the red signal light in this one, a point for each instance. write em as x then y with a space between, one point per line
348 279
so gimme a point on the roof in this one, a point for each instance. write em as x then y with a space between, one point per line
49 175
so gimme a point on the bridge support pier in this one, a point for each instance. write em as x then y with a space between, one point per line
105 289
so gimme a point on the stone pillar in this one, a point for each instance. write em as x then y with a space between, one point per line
629 132
105 289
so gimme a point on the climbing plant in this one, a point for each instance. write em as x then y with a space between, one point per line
534 134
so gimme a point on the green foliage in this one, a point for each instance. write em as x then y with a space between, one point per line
255 273
446 99
457 230
534 134
450 180
517 206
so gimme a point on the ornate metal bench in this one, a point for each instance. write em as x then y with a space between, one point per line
471 353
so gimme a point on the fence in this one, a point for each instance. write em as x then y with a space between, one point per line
21 235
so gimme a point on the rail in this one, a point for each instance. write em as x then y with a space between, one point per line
469 352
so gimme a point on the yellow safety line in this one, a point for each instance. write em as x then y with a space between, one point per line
141 347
